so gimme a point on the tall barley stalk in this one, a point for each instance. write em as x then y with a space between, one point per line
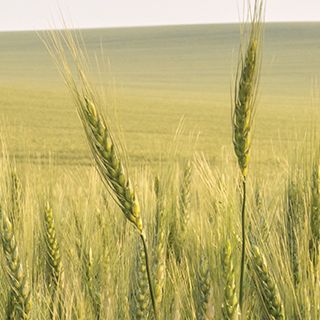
100 139
113 173
243 112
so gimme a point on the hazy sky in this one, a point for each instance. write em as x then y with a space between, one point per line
43 14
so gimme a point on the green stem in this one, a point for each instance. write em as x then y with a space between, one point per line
243 232
143 239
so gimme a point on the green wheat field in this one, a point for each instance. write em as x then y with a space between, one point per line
167 175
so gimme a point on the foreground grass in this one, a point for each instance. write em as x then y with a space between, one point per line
98 250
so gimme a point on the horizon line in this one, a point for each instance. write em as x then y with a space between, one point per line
151 26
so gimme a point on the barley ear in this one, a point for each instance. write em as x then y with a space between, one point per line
85 255
55 269
54 264
140 297
230 307
160 246
204 290
246 85
108 162
16 195
19 288
184 198
99 137
92 289
293 213
267 286
177 234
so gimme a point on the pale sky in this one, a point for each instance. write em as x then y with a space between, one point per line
44 14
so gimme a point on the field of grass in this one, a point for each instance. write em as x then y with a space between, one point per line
68 251
156 76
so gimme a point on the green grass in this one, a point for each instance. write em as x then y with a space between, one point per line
157 75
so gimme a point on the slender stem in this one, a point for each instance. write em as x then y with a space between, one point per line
143 239
243 231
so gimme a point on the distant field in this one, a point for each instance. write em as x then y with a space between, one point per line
157 75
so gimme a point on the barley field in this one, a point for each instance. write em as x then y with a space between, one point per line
121 194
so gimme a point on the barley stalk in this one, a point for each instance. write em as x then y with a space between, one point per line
184 199
179 225
85 255
204 290
20 296
100 139
54 263
230 307
243 112
267 286
112 171
294 211
15 199
93 294
140 288
89 263
160 245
